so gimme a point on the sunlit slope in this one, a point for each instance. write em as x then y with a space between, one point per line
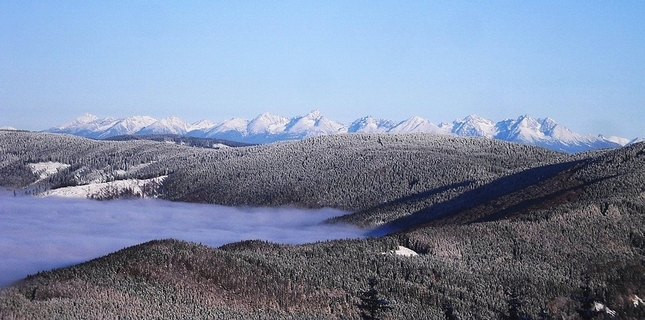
82 161
351 171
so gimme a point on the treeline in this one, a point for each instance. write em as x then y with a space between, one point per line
182 140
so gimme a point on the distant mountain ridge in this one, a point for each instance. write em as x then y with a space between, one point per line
267 128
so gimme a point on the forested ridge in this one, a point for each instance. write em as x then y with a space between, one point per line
181 140
351 172
487 218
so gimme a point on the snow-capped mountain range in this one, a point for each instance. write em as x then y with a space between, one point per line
267 128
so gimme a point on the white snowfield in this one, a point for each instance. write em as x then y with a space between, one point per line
137 187
403 251
46 169
267 128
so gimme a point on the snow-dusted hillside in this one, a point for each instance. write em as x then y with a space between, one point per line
45 169
267 128
139 188
95 184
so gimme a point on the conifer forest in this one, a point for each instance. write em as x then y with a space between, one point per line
498 230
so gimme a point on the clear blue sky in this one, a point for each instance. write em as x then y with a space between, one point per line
579 62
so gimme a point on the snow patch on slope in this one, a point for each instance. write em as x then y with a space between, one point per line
46 169
108 190
403 251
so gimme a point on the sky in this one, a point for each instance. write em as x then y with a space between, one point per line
581 63
38 234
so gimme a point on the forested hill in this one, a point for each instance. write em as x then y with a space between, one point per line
182 140
616 177
501 229
351 172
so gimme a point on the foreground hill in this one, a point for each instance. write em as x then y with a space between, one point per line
505 218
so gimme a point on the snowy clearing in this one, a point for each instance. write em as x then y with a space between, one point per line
107 190
46 169
403 251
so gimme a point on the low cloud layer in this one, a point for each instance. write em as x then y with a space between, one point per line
44 233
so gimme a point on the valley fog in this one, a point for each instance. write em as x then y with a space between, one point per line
39 234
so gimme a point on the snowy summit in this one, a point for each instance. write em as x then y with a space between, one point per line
267 128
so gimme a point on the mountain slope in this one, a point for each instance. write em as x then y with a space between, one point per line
170 125
124 126
598 179
349 171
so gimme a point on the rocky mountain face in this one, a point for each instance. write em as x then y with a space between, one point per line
267 128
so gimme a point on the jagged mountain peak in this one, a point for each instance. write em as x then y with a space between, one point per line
475 118
314 114
203 124
129 125
527 121
139 120
369 124
172 119
268 127
417 124
237 124
86 118
168 125
312 124
268 118
267 123
474 126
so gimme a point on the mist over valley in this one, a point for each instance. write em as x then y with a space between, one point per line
39 234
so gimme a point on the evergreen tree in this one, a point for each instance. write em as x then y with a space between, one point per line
544 315
588 301
448 311
372 305
514 305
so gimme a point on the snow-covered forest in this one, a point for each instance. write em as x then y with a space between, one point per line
493 223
